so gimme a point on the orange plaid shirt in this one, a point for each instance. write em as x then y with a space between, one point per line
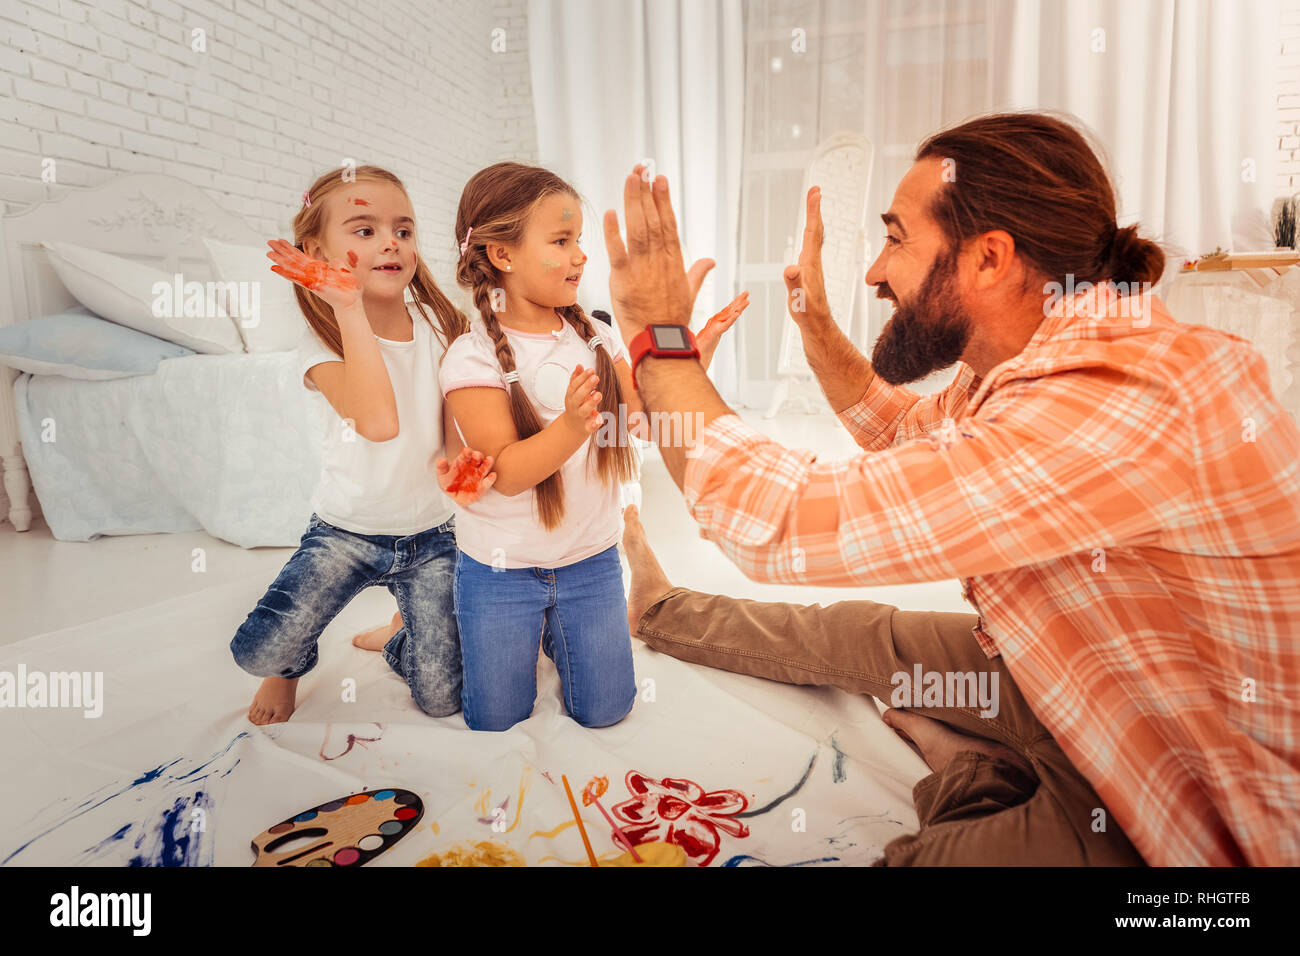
1122 502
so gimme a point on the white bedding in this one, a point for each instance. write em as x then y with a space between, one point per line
226 443
817 778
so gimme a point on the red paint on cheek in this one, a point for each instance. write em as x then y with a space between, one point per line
352 258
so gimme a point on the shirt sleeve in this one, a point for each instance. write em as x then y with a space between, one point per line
468 363
311 352
1057 465
892 414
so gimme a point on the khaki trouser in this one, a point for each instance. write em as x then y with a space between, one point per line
978 810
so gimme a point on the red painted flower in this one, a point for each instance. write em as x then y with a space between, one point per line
681 812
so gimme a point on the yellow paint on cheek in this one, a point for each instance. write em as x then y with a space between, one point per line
483 853
550 264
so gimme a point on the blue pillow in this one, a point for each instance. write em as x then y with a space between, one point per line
79 344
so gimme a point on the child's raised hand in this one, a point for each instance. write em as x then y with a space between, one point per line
581 401
707 340
468 478
332 282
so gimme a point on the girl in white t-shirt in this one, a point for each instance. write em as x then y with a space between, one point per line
539 386
380 516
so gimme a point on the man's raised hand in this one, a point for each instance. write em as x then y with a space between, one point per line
648 282
804 282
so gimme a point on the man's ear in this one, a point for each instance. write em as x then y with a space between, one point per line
994 256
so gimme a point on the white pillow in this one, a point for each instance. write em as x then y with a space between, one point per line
275 321
126 292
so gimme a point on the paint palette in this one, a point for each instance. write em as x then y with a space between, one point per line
349 831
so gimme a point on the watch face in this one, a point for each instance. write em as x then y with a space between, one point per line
669 337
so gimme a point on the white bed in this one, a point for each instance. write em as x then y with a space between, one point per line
226 443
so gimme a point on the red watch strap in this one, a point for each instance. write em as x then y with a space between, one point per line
642 344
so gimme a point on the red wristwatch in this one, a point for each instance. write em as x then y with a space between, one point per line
662 341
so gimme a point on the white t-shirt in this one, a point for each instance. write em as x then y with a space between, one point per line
503 527
388 487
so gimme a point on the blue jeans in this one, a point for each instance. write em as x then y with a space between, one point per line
578 612
329 569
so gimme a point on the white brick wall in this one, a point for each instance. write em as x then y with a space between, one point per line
1288 99
285 90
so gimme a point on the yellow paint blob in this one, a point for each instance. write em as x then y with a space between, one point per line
435 828
483 853
604 860
657 853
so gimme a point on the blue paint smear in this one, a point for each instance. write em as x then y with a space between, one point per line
785 796
744 860
157 777
837 769
110 839
172 841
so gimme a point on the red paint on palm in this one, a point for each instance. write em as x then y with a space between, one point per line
319 275
465 478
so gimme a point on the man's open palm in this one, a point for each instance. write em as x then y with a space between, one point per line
648 281
805 285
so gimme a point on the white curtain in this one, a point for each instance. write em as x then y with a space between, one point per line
893 70
616 82
1180 93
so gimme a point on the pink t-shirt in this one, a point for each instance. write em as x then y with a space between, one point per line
502 530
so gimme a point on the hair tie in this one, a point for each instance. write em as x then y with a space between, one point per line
595 342
306 197
465 242
512 375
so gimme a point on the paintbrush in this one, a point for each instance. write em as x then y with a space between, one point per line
588 794
577 816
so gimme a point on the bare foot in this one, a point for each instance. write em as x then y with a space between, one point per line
274 701
376 638
938 743
649 583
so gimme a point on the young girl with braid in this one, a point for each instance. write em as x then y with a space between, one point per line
529 385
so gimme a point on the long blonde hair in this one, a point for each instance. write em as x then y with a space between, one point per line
310 222
496 203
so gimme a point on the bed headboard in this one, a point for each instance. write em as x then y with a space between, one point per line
149 217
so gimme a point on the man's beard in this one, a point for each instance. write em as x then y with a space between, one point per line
926 334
